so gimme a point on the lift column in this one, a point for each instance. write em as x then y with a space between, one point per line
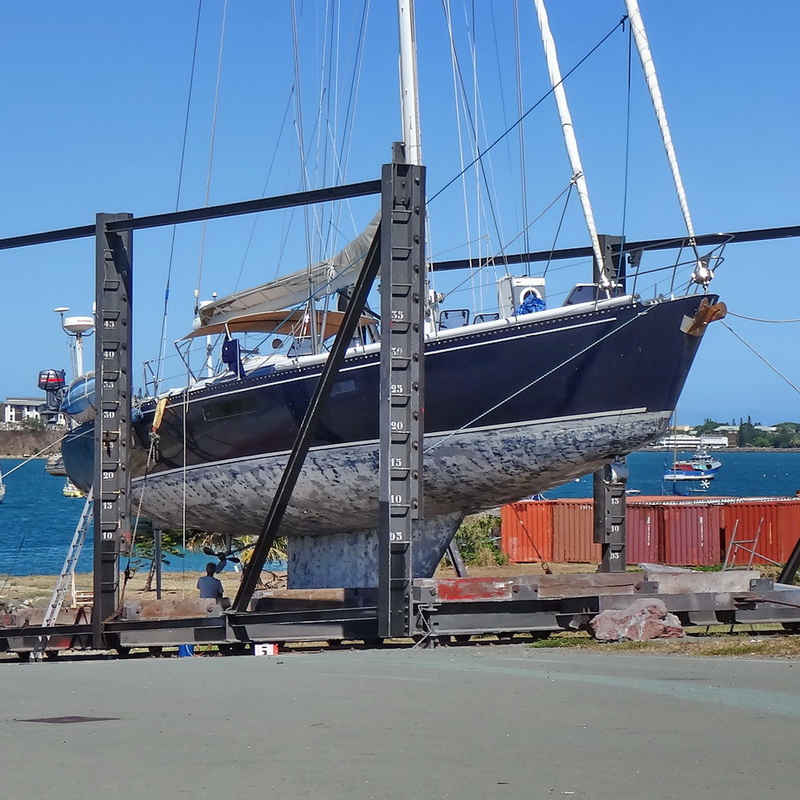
609 515
112 429
401 390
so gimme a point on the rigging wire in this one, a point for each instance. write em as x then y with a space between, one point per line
256 217
520 109
769 321
558 229
761 357
500 77
163 339
303 171
479 158
449 21
627 138
547 94
489 262
211 149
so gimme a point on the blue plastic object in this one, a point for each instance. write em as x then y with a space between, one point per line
530 304
185 650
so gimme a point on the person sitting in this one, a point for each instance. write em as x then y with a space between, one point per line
209 586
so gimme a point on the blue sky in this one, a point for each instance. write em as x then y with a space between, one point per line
92 119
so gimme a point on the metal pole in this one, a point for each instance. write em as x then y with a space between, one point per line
302 442
112 428
157 556
401 402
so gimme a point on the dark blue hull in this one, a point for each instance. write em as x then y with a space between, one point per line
547 375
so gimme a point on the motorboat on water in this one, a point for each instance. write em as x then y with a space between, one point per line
2 488
71 490
692 474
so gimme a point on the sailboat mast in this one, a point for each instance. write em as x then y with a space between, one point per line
569 136
649 69
409 87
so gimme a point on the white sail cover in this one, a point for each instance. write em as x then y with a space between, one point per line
324 278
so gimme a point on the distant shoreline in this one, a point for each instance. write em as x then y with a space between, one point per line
721 449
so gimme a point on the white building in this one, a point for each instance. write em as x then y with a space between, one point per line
15 410
688 441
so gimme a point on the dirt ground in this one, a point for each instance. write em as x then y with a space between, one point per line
763 641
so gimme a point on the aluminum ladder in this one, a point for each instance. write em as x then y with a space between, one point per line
67 575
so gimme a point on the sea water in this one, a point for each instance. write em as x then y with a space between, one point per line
37 522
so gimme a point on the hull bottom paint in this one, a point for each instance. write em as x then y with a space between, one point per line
337 489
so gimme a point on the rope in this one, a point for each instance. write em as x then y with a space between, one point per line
535 381
763 358
178 198
547 94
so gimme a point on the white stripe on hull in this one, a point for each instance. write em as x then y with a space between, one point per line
337 491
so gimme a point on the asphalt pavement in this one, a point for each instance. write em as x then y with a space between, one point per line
461 722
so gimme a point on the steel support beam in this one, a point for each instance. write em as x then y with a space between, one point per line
131 223
305 433
791 566
401 389
609 515
112 426
671 243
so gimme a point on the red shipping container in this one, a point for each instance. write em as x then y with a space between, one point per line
693 534
779 522
644 531
788 526
573 529
526 531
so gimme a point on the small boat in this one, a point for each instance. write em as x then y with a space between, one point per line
55 465
2 488
696 472
71 490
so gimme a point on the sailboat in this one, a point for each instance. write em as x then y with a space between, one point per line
517 401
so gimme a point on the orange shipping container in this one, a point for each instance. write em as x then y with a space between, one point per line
526 531
573 526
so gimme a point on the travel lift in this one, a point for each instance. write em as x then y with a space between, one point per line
427 610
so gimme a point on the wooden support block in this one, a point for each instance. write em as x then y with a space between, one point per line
552 587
